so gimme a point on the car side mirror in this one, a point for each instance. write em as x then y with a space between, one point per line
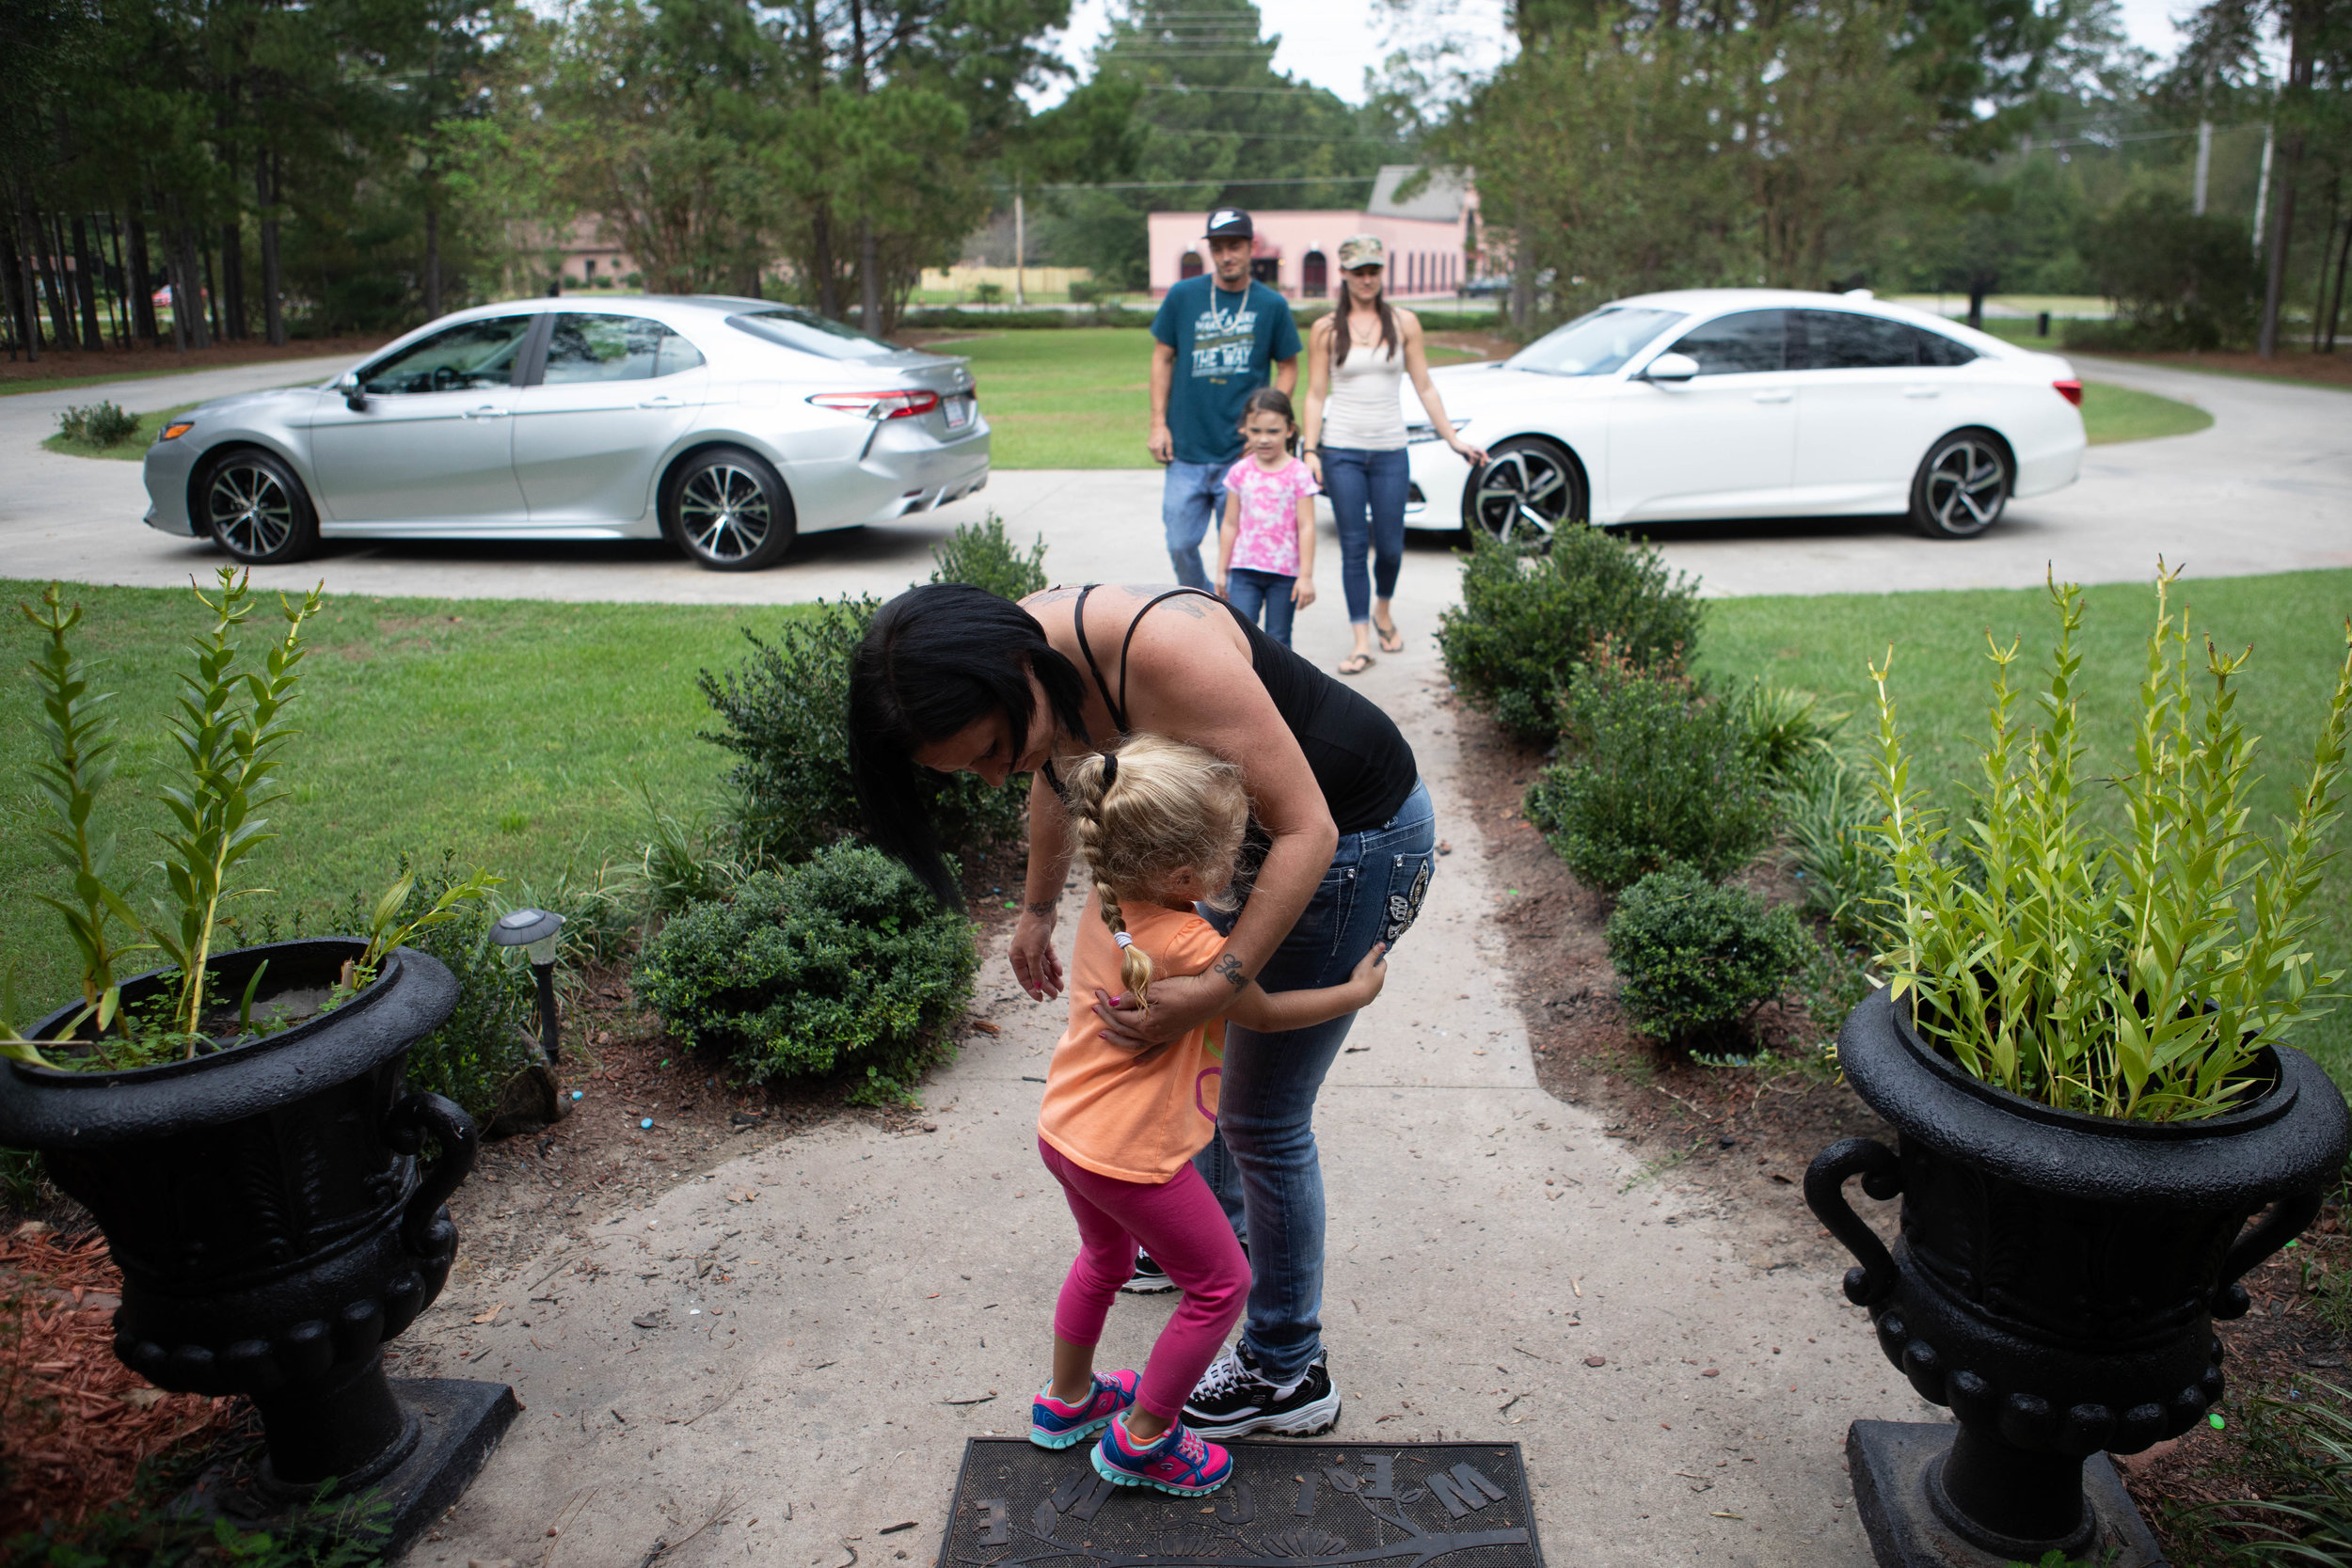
1674 368
354 391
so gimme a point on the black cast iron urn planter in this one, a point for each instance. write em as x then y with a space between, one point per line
275 1226
2055 1284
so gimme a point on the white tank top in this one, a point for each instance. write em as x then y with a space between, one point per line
1362 411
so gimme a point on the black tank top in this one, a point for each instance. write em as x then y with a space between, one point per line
1358 756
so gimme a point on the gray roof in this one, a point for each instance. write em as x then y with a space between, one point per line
1440 197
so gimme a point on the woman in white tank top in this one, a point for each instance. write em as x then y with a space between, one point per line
1355 437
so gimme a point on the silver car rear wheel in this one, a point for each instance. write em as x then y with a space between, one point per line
256 509
1528 491
729 510
1961 487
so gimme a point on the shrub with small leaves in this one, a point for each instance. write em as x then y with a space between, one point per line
979 554
100 424
843 963
784 712
1696 958
1527 620
1662 777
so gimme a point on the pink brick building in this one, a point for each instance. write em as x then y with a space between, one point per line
1432 241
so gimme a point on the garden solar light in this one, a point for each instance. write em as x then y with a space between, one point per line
535 932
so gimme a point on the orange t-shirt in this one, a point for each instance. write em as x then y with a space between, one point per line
1133 1116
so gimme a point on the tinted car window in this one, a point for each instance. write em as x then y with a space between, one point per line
1936 349
811 334
615 348
1845 341
1730 345
462 359
1596 344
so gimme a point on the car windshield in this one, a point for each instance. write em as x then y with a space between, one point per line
811 334
1596 344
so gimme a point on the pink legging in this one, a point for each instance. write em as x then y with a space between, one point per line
1183 1226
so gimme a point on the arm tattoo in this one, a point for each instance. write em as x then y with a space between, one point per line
1043 906
1230 967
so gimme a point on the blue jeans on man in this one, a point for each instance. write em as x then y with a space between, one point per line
1262 1162
1191 500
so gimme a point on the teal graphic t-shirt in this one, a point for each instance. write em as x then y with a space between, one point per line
1226 345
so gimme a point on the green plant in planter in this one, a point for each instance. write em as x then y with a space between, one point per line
2133 973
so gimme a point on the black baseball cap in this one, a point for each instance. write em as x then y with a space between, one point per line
1229 223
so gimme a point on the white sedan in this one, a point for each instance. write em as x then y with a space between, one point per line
1749 403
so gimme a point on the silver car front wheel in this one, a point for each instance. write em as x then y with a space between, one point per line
1961 487
1528 491
256 509
727 508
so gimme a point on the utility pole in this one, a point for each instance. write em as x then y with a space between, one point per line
1020 251
2262 185
2204 167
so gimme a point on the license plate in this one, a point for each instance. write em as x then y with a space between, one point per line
960 407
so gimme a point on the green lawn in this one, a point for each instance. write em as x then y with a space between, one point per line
1941 686
510 732
133 449
2119 413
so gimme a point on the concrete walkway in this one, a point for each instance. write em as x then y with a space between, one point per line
1485 1240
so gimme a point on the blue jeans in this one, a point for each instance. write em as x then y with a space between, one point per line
1192 496
1249 591
1262 1163
1368 491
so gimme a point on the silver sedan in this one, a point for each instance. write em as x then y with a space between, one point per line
727 426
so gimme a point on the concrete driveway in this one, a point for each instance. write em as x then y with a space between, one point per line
2267 488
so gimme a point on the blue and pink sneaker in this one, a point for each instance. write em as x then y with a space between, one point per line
1056 1425
1182 1462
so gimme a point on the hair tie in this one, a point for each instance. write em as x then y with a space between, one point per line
1110 769
1123 938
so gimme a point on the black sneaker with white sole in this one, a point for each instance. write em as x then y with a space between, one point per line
1234 1398
1148 1277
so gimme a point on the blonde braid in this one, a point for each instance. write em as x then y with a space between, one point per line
1144 812
1091 782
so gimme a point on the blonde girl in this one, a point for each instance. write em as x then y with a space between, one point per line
1159 824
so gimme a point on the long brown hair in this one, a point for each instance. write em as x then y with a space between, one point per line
1341 337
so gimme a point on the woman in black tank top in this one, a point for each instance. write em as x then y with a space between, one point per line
953 678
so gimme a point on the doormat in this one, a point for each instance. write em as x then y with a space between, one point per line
1287 1505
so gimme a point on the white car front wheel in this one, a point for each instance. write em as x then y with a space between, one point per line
1529 490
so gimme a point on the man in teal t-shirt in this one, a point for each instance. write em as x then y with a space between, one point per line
1217 336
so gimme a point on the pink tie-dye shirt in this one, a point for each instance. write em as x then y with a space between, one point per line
1269 515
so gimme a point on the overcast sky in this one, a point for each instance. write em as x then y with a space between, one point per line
1333 42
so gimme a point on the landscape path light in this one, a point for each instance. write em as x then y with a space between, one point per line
536 932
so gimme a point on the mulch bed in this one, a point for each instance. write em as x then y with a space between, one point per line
142 360
1742 1138
2329 370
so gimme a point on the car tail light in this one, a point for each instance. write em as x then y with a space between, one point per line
2071 390
879 405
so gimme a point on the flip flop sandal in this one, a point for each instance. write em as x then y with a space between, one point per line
1356 664
1392 639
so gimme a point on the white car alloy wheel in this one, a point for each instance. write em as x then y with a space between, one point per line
1961 487
730 512
1528 491
255 509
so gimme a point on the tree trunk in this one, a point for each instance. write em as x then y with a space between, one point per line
870 279
233 316
86 278
1977 288
2335 304
46 262
1522 283
187 304
272 286
2327 237
13 278
828 290
432 256
111 273
2302 49
212 294
142 284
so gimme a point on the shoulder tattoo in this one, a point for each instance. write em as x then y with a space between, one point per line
1230 967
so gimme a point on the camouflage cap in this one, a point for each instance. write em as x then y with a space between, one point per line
1361 250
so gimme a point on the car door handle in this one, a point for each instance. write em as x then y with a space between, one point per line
1780 395
1922 391
665 401
487 411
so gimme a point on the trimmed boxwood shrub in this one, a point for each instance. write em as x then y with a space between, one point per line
843 962
1696 958
784 715
1663 776
1527 620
